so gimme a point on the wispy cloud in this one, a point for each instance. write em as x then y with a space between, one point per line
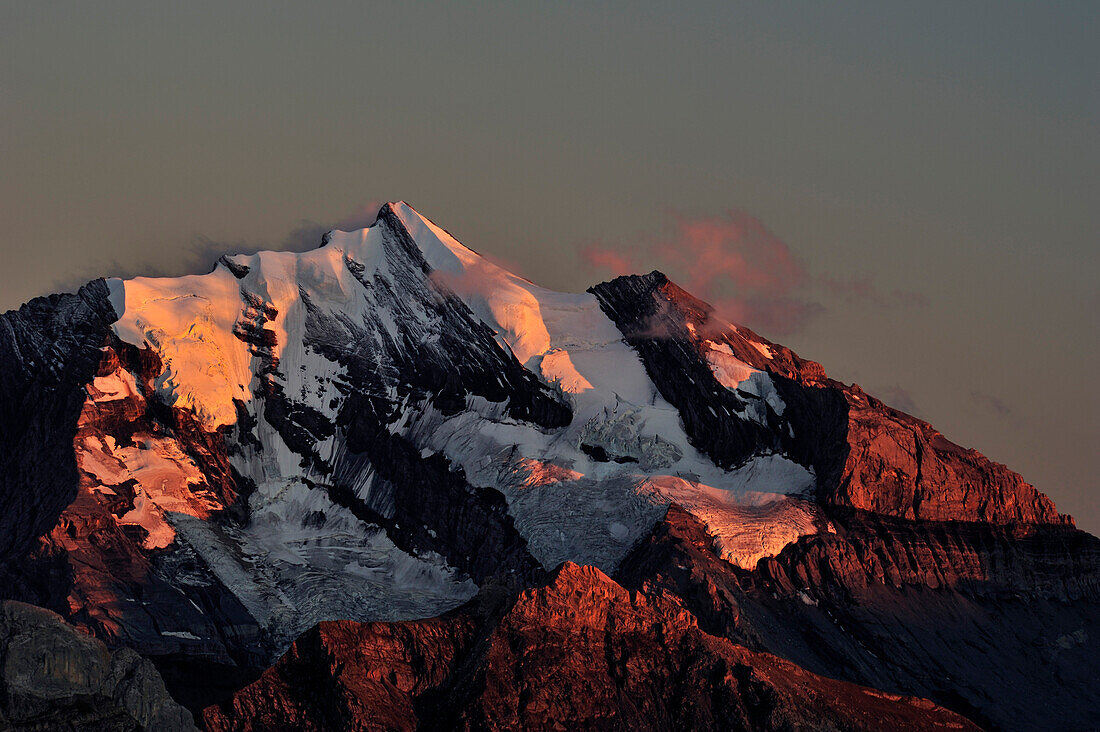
990 403
748 273
200 254
862 291
897 397
609 260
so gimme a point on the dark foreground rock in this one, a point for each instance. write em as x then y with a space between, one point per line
52 676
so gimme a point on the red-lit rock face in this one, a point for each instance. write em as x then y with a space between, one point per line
900 466
137 462
579 653
133 467
867 455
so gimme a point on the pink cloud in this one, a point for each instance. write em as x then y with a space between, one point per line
862 291
736 247
732 261
610 260
745 271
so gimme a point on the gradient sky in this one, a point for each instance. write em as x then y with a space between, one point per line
929 172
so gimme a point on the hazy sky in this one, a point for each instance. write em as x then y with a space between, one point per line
913 189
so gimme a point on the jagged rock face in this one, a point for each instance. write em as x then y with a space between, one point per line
998 624
49 350
898 465
149 552
111 564
866 455
54 677
737 394
578 653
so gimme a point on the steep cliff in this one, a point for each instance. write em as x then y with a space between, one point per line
998 623
49 350
54 677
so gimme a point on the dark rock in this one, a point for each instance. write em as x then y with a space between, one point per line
54 677
426 505
599 452
653 318
1000 624
96 573
240 271
49 349
865 454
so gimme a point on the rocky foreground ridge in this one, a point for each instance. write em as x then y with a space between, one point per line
55 677
579 651
616 510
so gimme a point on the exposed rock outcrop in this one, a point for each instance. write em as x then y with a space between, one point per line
105 565
580 652
999 624
49 349
52 676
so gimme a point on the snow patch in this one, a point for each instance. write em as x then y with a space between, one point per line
189 322
765 350
180 634
736 375
115 386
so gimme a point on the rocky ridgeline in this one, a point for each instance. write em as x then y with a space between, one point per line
580 652
997 623
867 455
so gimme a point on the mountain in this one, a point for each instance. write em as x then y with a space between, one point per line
298 460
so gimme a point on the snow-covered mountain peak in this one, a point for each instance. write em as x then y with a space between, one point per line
502 299
441 251
394 360
374 429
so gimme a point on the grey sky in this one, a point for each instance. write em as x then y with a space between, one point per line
944 149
